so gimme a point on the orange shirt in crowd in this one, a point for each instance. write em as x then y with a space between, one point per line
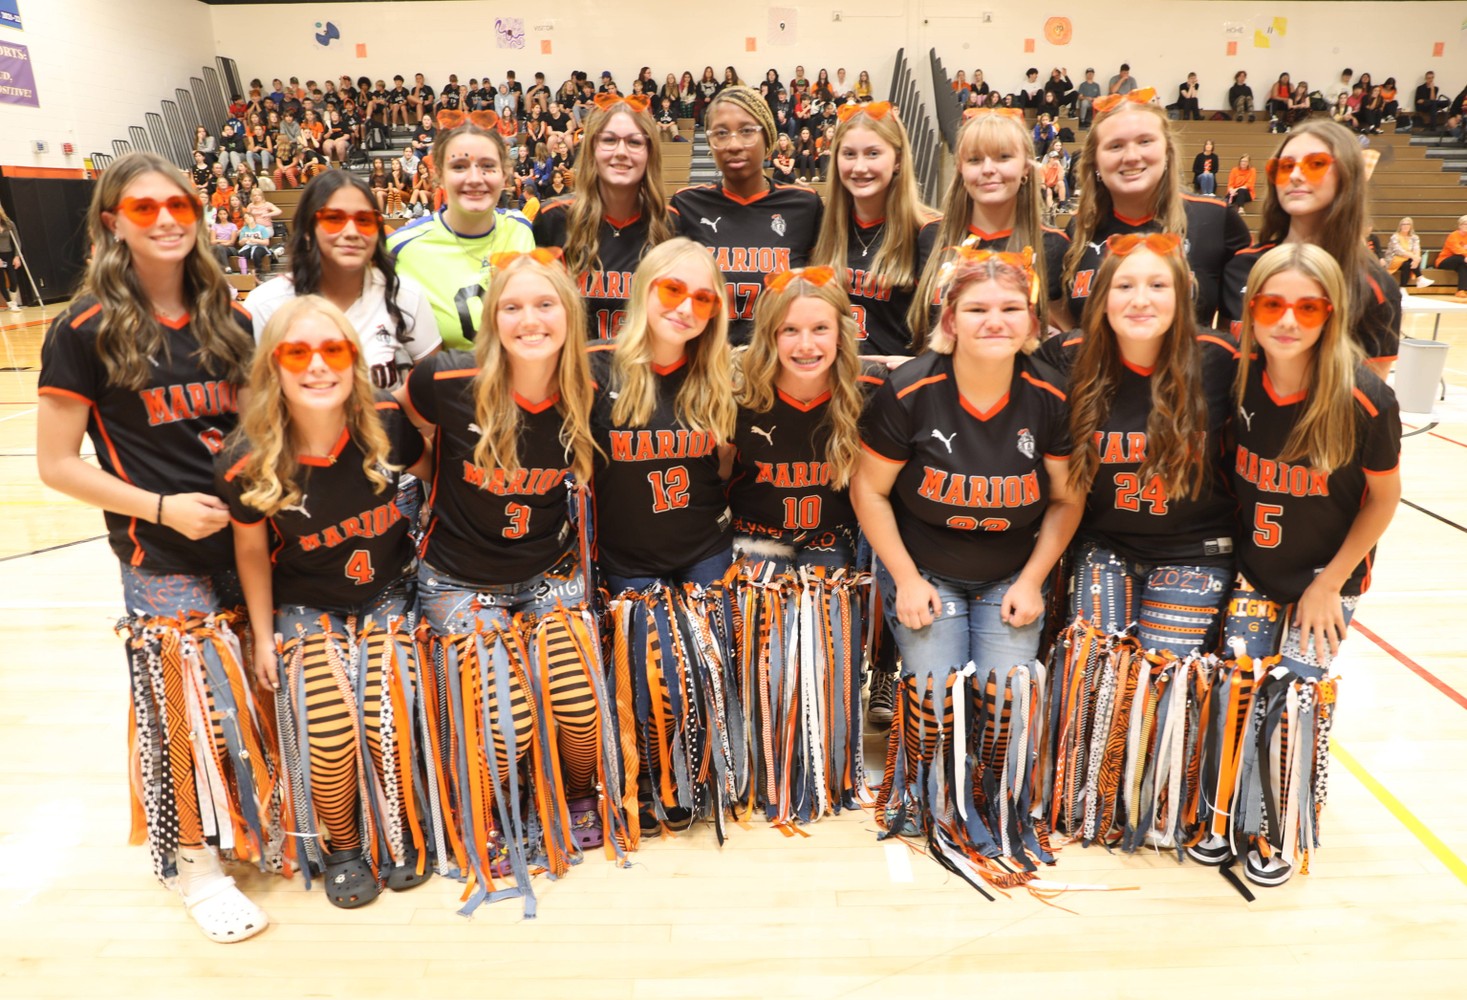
1455 246
1240 178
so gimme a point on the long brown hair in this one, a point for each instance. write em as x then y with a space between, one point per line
583 222
1176 428
129 334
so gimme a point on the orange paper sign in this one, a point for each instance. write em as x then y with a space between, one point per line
1028 45
1232 48
751 44
545 46
361 50
1439 49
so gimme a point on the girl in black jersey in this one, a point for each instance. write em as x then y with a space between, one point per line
1130 178
875 225
148 363
1156 545
995 203
502 580
752 228
796 445
324 557
1316 469
618 213
1317 191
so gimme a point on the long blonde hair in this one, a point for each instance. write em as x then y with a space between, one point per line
1095 200
979 136
583 222
705 402
1326 433
759 370
895 266
129 334
494 406
270 473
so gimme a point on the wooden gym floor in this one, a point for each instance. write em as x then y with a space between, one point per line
834 914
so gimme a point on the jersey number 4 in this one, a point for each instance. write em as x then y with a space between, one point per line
1130 494
359 568
669 489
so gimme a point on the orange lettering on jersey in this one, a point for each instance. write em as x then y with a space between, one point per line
864 285
979 491
1271 476
1082 284
520 482
655 446
1116 448
792 475
368 524
166 404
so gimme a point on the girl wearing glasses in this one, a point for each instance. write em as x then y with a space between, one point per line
1130 178
448 252
338 251
1156 541
1316 471
1318 193
664 414
796 445
503 577
875 225
752 228
148 363
324 557
995 202
617 214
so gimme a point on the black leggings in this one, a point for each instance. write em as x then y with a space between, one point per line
1456 262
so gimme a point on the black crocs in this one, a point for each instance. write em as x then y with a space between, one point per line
349 881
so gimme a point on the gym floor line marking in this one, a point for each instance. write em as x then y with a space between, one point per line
1460 444
1411 664
22 413
52 548
1398 809
1431 513
1418 430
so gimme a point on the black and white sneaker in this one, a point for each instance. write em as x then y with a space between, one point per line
1266 871
881 707
1213 850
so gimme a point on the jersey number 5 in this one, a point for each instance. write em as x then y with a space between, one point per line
669 489
1267 532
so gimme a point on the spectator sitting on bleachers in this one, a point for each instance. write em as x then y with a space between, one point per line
1062 91
223 234
1279 96
1044 133
1344 114
1453 256
1402 255
397 103
1204 170
1030 91
1242 180
1123 82
1391 99
206 144
1085 96
262 209
782 160
524 174
1188 107
1429 101
666 120
1240 97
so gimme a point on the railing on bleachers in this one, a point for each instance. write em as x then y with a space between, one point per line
925 152
949 117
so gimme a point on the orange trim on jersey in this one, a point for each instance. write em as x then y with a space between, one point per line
1387 357
174 324
235 469
321 461
65 173
412 411
1199 199
243 524
669 369
929 380
981 415
1000 235
530 407
1210 339
1383 472
869 379
1057 232
609 345
819 400
749 201
1278 400
387 404
243 311
620 223
76 323
1039 383
1133 222
1143 372
132 527
1056 458
48 390
1379 295
1072 342
1365 402
876 454
448 373
867 225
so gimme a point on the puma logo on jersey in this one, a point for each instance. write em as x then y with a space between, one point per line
299 508
711 223
476 429
1247 417
1026 443
946 439
766 435
1097 247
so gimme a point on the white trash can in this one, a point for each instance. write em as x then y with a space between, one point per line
1419 373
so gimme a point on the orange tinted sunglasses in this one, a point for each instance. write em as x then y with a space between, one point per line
636 102
1309 312
1313 167
817 276
1158 243
1013 113
1112 101
544 255
671 292
334 220
873 109
295 355
486 120
144 211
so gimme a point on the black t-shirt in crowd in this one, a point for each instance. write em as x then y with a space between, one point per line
620 245
881 312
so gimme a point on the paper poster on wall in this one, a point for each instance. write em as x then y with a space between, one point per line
751 44
1281 26
783 26
17 81
10 13
545 46
1235 30
1058 31
509 32
361 50
1028 45
1439 49
1260 40
326 33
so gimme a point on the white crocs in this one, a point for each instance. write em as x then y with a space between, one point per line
224 913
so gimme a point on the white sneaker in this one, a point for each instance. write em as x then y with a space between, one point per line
15 307
1420 283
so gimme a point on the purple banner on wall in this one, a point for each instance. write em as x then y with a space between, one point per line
10 13
17 82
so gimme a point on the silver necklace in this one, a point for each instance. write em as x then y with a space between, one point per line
866 245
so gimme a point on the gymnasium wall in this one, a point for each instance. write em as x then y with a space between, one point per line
1162 39
99 66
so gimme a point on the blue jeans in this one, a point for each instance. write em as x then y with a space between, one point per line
829 549
701 573
970 628
169 595
1258 623
1176 608
455 607
1207 184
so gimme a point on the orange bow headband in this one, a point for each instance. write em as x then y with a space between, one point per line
874 109
636 102
816 276
1112 101
1023 261
486 120
1013 113
544 255
1123 244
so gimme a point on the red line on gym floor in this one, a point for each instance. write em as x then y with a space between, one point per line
1412 665
1460 444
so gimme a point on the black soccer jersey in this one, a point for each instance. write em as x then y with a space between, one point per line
1139 520
973 488
1214 234
1056 245
660 505
606 286
1379 329
780 486
162 437
881 312
1293 518
489 527
343 542
774 230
